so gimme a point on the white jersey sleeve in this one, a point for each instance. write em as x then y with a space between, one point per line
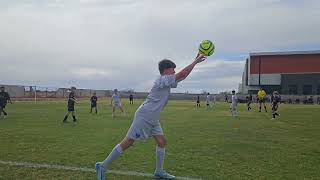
167 81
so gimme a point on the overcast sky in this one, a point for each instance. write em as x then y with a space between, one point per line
106 44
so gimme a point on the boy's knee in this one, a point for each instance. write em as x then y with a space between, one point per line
126 143
162 142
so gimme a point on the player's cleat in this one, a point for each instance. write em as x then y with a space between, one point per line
100 171
163 175
272 118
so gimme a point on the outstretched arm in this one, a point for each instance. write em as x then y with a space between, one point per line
186 71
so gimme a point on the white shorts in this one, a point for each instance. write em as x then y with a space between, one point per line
141 130
117 104
233 107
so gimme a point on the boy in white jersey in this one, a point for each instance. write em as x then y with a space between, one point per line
233 105
116 102
208 99
146 122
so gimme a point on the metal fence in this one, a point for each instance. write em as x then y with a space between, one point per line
46 93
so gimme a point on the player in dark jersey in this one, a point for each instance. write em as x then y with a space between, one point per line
249 101
275 99
71 102
93 101
131 99
4 99
198 101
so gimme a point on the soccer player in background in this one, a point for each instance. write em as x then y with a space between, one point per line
249 101
131 99
208 99
262 98
146 122
275 99
233 105
116 102
214 99
71 102
198 101
4 99
93 101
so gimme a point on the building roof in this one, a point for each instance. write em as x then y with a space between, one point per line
284 53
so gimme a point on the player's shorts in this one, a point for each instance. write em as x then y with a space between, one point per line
70 108
233 107
262 100
141 130
198 101
274 107
93 104
117 104
3 105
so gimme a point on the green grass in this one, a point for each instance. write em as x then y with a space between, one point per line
206 144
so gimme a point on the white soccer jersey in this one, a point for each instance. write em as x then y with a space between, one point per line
234 100
156 100
116 98
208 99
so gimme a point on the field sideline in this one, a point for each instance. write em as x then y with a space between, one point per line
206 144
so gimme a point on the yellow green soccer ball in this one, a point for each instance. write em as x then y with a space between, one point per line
206 48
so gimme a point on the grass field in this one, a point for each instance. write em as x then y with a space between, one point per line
206 144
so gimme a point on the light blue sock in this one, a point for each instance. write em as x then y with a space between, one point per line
117 150
160 158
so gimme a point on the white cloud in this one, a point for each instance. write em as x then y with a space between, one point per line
105 43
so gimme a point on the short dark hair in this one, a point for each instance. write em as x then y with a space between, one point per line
165 64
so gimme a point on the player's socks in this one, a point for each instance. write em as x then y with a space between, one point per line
65 118
5 113
116 151
274 115
160 152
74 118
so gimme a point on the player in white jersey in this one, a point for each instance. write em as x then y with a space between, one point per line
233 105
146 122
208 101
116 102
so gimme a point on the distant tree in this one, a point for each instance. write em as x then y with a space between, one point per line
204 92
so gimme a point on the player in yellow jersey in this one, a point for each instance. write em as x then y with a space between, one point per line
262 98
